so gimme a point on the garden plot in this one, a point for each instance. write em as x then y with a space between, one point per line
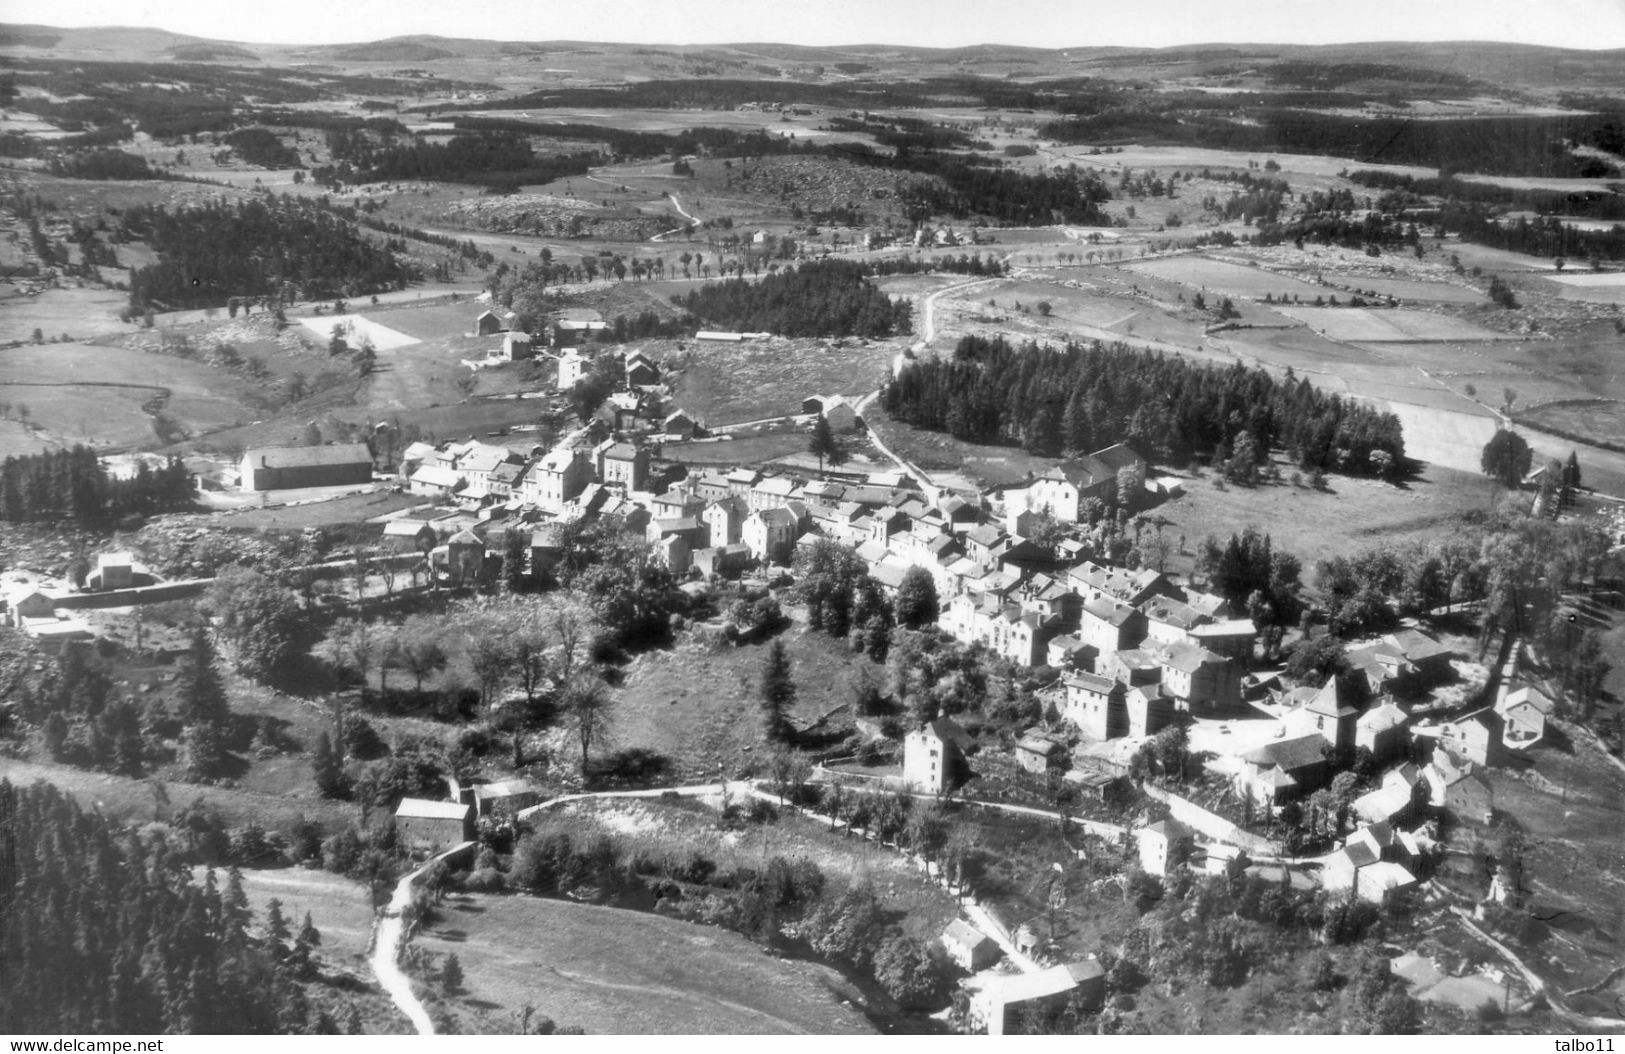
1385 326
1229 279
355 327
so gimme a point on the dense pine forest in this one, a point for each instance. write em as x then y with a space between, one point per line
72 485
1080 397
499 160
827 298
107 931
254 248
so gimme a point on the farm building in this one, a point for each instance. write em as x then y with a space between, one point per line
488 324
1038 753
27 602
641 370
433 825
968 948
284 468
840 414
680 425
1524 711
516 346
995 1007
113 571
723 560
505 797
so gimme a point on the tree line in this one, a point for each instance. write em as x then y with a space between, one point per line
974 264
106 931
73 485
1078 398
825 298
252 248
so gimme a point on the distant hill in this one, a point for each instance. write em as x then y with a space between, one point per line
1422 67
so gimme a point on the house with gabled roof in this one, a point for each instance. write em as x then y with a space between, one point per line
1284 769
968 947
1109 626
1232 638
1201 682
771 493
1381 730
1329 714
769 534
431 826
934 756
1169 620
1163 845
1523 712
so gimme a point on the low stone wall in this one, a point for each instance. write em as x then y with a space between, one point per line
117 598
1211 824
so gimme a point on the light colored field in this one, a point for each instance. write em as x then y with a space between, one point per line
80 313
1599 420
1199 272
16 440
1605 288
338 906
433 322
1453 439
92 394
620 972
1314 525
355 327
1410 289
1387 325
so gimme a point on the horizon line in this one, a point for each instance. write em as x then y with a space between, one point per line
746 42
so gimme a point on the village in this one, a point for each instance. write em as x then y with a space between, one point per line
1122 657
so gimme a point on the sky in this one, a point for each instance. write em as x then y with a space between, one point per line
935 23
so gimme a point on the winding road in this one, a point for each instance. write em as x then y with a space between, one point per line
386 951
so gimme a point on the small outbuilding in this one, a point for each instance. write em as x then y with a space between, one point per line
969 948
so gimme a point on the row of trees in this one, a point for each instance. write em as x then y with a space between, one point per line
73 485
1081 397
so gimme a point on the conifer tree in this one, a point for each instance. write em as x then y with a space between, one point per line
778 694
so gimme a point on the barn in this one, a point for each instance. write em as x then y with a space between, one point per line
433 825
286 467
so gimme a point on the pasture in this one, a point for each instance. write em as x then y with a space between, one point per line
622 972
79 393
1598 419
1411 289
1607 287
1352 514
1376 326
80 313
337 905
701 708
746 449
723 383
431 321
1217 276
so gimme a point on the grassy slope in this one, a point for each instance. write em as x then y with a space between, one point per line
625 972
701 708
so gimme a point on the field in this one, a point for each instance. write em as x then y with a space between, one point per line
938 452
621 972
339 511
754 449
1388 325
337 905
1352 514
1605 288
1410 289
80 313
81 393
1598 419
355 329
724 384
701 708
1200 272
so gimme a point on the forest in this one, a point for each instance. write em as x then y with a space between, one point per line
501 161
72 485
102 164
827 298
1078 398
106 931
252 248
1509 146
